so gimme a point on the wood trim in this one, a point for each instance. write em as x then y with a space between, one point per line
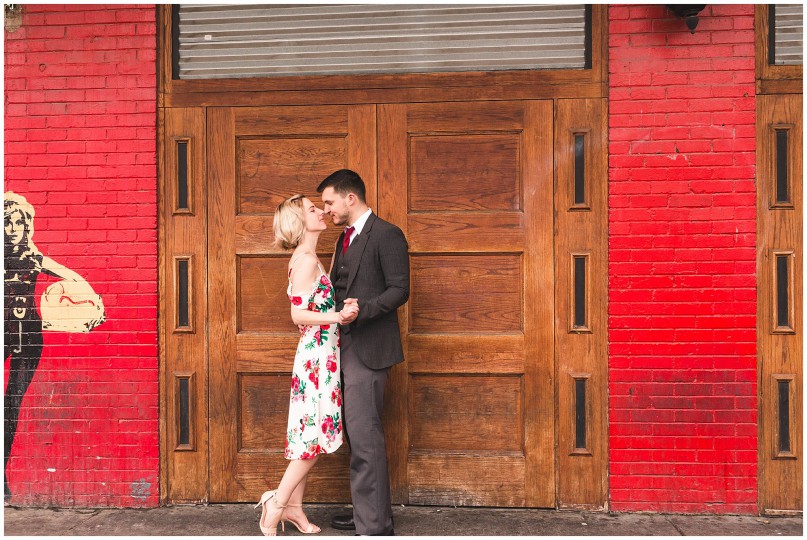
390 88
582 479
191 377
190 328
391 161
221 164
438 93
163 48
173 162
161 320
573 450
184 471
770 190
779 351
791 283
586 327
585 206
599 46
772 79
775 452
539 264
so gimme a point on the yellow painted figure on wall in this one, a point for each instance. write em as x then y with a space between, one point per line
69 305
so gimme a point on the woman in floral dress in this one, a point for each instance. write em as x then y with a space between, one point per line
315 419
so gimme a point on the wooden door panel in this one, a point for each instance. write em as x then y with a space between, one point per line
581 349
254 352
289 163
433 354
450 231
465 294
780 344
264 155
481 117
264 408
261 296
327 481
183 353
483 413
326 121
454 480
443 164
465 183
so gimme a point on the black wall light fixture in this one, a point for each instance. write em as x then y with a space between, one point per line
688 12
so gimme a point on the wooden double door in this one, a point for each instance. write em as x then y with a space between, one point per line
471 415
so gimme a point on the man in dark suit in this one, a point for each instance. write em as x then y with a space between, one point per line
370 267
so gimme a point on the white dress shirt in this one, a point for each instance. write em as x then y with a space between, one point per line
359 224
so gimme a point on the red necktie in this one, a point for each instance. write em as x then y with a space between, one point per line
346 239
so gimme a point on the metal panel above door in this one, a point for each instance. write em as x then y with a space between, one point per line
788 30
235 41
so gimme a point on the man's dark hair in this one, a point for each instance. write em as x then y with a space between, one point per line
345 181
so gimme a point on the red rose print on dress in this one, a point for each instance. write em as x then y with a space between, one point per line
331 364
314 449
314 377
315 406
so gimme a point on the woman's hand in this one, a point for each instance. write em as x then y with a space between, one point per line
349 312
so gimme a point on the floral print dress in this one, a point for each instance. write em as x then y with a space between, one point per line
315 410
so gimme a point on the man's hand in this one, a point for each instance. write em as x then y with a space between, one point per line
349 312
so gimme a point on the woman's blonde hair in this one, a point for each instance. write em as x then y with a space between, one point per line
289 223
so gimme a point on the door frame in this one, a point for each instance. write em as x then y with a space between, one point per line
183 353
376 89
779 232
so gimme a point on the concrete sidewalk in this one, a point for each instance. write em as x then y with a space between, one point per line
242 520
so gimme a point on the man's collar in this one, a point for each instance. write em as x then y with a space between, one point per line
358 225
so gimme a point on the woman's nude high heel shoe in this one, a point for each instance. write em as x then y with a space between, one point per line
265 498
311 529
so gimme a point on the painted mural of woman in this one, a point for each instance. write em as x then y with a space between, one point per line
69 305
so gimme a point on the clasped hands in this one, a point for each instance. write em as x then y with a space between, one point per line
350 311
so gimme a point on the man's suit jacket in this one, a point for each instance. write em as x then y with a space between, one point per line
379 279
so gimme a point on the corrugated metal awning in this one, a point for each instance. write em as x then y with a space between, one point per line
232 41
789 34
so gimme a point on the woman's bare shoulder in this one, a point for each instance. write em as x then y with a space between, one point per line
303 264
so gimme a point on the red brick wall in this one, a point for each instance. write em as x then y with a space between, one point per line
682 353
80 146
80 137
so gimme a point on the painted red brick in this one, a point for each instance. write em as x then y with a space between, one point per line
682 323
80 145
